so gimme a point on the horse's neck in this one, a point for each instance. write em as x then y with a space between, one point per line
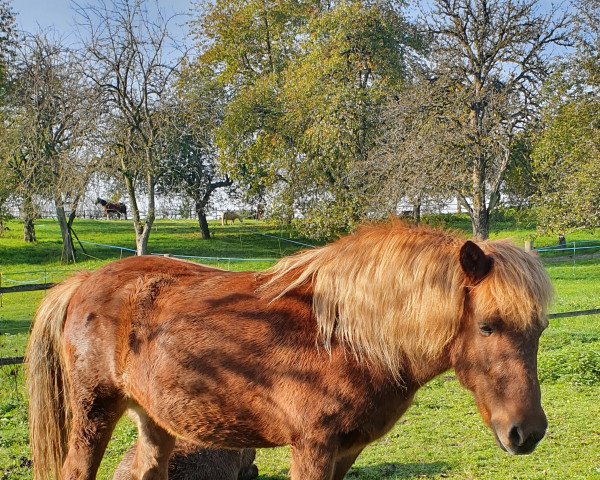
428 370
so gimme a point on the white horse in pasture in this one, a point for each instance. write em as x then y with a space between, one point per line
233 216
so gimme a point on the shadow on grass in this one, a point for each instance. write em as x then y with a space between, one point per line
396 471
13 327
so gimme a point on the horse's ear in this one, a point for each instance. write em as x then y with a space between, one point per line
474 262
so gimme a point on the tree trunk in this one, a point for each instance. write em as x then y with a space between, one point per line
417 211
28 215
204 231
143 231
480 223
68 251
28 230
202 200
131 194
142 228
479 211
141 241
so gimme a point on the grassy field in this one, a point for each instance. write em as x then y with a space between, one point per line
441 436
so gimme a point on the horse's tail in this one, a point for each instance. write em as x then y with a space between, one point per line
49 413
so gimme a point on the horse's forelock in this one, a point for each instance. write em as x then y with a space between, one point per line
518 289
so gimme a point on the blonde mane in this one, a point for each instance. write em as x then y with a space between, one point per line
395 294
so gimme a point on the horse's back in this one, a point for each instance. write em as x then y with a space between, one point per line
119 299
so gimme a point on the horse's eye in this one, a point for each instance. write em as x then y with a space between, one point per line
485 329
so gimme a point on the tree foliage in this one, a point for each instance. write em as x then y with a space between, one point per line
8 43
566 160
587 33
306 82
566 153
486 64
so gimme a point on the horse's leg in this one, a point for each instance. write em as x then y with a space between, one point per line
94 419
343 464
154 446
312 462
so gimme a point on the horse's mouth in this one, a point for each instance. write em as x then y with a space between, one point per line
527 447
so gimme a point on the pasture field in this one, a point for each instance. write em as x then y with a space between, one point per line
441 435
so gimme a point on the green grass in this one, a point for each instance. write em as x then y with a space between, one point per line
441 436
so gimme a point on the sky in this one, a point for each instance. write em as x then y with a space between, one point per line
58 14
35 15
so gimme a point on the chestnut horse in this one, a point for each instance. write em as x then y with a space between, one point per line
118 208
324 352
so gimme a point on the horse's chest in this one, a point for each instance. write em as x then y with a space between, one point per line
376 422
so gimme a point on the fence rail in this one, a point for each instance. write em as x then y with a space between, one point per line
11 361
579 313
160 213
26 288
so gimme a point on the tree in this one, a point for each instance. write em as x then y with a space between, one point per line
356 54
566 153
23 172
52 117
249 45
306 80
416 153
132 59
488 60
189 160
7 43
7 52
566 159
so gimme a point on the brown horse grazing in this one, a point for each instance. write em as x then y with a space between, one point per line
188 462
111 208
324 352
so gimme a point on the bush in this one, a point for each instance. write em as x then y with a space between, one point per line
518 217
578 366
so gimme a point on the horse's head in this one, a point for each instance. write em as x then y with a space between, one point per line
495 352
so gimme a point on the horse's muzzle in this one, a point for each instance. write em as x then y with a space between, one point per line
519 440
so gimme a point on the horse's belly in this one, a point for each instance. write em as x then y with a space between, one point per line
216 411
210 392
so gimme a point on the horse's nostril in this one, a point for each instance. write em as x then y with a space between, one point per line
516 436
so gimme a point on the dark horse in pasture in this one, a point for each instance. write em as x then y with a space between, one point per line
112 208
188 462
324 352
